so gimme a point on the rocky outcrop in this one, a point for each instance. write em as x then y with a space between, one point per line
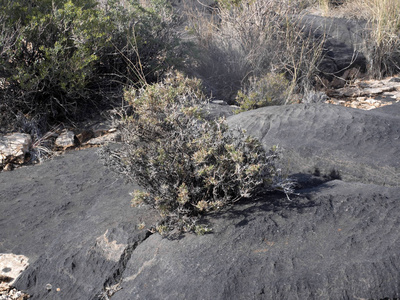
72 218
357 145
337 240
367 94
344 46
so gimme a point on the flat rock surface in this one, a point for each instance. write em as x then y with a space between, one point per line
72 218
337 241
360 145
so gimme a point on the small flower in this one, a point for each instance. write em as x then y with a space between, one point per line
202 205
183 194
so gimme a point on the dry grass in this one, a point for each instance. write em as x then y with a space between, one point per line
382 37
251 39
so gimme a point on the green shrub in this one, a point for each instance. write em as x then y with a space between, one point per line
144 41
54 53
271 89
64 56
185 164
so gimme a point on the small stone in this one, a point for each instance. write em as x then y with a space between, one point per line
395 79
15 145
84 136
49 287
219 102
66 139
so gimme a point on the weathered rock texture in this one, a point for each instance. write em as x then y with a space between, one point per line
11 266
367 94
66 139
72 219
337 240
360 145
14 146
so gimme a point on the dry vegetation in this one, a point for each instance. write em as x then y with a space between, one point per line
382 37
186 164
245 41
60 58
241 42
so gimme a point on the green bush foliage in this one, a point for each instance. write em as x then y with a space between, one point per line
271 89
187 165
61 56
53 57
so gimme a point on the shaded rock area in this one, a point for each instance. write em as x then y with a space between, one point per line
357 145
71 218
344 46
337 241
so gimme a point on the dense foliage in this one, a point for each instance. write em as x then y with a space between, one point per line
61 57
186 164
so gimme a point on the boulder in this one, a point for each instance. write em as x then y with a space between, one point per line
14 146
358 145
344 45
71 218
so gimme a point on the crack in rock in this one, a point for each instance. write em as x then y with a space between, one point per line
112 284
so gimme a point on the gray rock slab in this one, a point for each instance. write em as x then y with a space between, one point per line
337 241
72 218
344 42
360 145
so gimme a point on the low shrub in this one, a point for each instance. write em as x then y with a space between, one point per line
52 59
185 164
271 89
247 39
